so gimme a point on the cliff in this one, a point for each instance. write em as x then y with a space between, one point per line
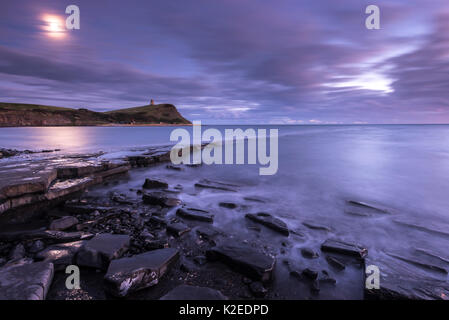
19 115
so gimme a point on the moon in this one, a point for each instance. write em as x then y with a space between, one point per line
54 26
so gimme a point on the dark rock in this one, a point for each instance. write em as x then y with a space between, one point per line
209 185
200 260
195 214
209 233
254 199
257 289
244 259
156 244
141 271
315 286
177 229
121 199
400 280
61 255
98 252
185 292
25 281
310 273
160 199
309 253
154 184
315 226
63 223
37 246
174 167
269 221
421 264
429 227
336 263
344 248
367 205
158 220
229 205
18 252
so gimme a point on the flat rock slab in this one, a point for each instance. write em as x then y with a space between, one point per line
160 199
177 229
402 280
61 255
269 221
316 226
98 252
141 271
154 184
195 214
185 292
337 246
26 281
63 223
244 259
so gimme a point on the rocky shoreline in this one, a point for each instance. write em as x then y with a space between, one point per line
148 242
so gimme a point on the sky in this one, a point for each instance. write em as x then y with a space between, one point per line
233 61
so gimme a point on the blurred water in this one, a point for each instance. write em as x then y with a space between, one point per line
402 167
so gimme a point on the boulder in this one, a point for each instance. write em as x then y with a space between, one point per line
63 223
61 255
25 281
244 259
154 184
185 292
337 246
98 252
195 214
128 275
309 253
269 221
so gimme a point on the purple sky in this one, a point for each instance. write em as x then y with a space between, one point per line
234 61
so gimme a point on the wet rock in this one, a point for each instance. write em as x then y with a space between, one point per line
195 214
315 286
228 205
18 252
244 259
310 273
400 280
174 167
336 263
429 227
61 255
210 234
25 281
309 253
156 244
161 199
367 205
269 221
37 246
200 260
98 252
63 223
158 220
141 271
154 184
257 289
421 264
337 246
177 229
255 199
185 292
315 226
206 184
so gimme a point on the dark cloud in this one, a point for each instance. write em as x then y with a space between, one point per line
235 60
